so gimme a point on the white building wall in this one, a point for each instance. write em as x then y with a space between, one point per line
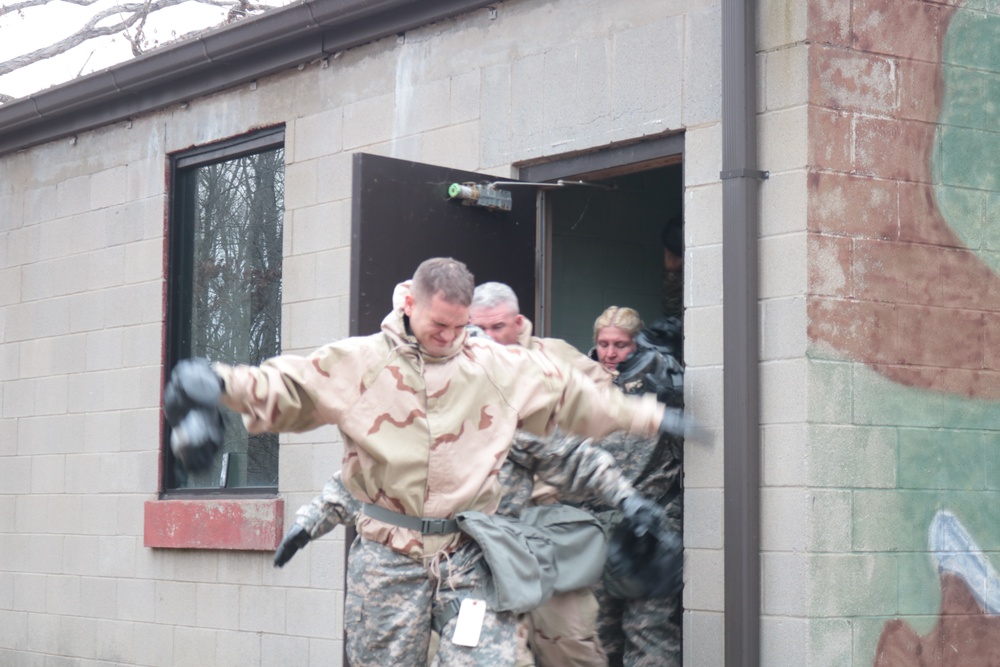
82 292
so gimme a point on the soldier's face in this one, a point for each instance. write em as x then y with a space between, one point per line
499 322
436 324
613 345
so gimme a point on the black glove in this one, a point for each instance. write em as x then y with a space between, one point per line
294 539
191 404
641 515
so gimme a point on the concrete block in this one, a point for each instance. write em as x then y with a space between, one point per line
369 121
80 554
783 140
703 215
941 458
786 588
703 394
105 268
109 187
831 392
703 155
263 609
704 639
786 77
783 392
527 129
457 146
703 518
144 177
333 269
832 521
117 556
327 573
852 456
176 602
421 105
703 67
277 649
136 600
783 328
854 585
73 196
142 345
140 429
703 580
301 184
86 311
143 261
703 341
154 644
319 228
236 649
10 286
781 23
325 651
23 246
314 324
313 613
9 359
194 646
57 238
335 184
29 592
239 567
100 514
646 83
830 642
785 519
216 606
786 452
54 278
114 641
703 266
317 135
784 200
62 595
48 474
464 97
126 222
496 116
104 350
64 514
577 94
19 398
783 264
784 642
98 597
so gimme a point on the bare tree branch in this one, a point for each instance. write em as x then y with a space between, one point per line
130 23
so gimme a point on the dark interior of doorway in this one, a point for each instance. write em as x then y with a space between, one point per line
605 247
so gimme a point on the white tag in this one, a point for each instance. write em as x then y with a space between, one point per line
470 622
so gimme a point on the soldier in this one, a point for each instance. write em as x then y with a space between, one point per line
427 417
645 631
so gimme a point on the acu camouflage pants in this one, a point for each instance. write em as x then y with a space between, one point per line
391 599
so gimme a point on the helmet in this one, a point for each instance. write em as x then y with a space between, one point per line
648 371
646 566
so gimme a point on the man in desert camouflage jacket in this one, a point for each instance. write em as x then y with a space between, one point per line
427 416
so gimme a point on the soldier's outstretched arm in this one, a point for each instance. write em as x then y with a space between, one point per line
575 465
333 507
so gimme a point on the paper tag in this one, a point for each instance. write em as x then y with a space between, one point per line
470 622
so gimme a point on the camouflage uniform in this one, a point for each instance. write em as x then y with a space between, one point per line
425 437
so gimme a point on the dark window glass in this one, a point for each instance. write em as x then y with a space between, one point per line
225 287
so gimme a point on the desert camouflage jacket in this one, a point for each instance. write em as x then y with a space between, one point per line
426 436
556 348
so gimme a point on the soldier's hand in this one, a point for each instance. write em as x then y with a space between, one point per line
294 539
680 425
641 515
191 405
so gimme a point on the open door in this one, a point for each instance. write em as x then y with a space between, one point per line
403 214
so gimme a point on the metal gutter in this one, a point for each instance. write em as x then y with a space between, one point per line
219 59
741 394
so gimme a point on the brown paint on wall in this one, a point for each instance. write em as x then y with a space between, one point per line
964 635
890 283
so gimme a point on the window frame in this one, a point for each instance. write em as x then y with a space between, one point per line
180 246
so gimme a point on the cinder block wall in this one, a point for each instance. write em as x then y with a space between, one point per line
82 292
902 382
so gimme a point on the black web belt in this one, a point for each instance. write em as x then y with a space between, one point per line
419 524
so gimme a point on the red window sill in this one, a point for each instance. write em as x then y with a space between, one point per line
238 524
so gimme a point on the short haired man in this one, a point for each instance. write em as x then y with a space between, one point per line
427 416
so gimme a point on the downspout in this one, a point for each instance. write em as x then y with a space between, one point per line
741 418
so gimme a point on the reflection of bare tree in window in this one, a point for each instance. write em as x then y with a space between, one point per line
236 289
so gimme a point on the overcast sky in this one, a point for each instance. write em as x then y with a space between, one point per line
38 27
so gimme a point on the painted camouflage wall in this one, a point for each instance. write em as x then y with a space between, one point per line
904 331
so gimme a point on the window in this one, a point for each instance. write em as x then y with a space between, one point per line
224 298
